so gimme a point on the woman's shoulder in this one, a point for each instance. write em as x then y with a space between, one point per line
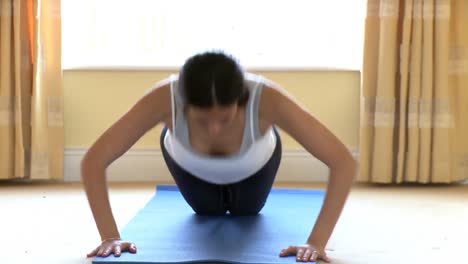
162 89
159 97
270 99
253 79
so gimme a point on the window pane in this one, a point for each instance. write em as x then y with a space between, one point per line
264 34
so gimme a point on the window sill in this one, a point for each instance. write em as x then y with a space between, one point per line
176 68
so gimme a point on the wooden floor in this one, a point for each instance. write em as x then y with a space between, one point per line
52 223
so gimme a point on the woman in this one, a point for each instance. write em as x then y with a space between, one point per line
221 146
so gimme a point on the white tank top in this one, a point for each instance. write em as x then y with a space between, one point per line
255 151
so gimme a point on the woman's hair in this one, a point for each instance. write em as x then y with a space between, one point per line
213 78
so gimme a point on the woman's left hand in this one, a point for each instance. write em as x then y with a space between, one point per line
305 253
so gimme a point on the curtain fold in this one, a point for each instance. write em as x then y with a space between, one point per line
31 97
414 110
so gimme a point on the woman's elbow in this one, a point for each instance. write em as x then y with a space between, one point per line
346 164
351 165
90 166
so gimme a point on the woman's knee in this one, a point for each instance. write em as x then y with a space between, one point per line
247 209
207 210
203 199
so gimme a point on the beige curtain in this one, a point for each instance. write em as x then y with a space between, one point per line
31 98
414 109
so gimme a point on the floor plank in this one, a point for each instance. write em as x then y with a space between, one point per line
51 222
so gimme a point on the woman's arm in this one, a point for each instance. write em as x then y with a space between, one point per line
146 113
294 119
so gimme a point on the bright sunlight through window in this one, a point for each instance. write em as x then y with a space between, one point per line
262 34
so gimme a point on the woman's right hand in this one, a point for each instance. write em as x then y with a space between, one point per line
115 246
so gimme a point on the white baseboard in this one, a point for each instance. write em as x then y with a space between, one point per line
148 165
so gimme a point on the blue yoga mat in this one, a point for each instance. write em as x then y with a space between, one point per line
167 230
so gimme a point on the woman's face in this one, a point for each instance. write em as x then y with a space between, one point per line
214 120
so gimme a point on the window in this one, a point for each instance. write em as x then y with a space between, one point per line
262 34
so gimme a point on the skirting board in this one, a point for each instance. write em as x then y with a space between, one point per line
148 165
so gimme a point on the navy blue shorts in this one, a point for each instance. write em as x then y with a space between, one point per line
246 197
